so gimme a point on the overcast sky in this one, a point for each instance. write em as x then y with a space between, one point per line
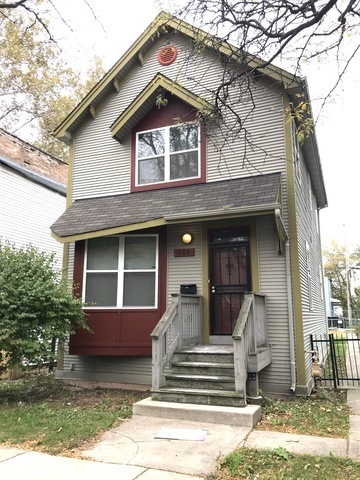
120 23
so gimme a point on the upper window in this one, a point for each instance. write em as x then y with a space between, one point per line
121 272
167 154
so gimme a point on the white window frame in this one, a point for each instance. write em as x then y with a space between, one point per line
121 274
167 155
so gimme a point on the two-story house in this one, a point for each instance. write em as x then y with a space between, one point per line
175 241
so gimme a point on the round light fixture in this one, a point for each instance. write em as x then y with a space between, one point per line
187 238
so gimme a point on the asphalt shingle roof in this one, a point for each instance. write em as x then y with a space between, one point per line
95 214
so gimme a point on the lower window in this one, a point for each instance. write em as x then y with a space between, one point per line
121 271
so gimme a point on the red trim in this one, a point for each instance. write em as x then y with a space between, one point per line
119 331
167 55
175 111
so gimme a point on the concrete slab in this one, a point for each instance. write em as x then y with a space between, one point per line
39 466
133 443
354 450
247 416
354 431
161 475
302 444
353 400
8 452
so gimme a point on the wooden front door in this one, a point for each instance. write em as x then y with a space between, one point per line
229 277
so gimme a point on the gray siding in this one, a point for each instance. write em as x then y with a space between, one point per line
272 268
184 270
313 304
27 211
135 370
102 165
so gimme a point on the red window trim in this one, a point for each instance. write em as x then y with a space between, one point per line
162 117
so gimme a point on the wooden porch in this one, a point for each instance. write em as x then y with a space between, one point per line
184 370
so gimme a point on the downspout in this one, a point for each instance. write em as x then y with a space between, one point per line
291 318
282 230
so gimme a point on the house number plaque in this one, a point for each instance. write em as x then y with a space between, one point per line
184 252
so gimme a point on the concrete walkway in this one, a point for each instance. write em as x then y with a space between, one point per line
131 450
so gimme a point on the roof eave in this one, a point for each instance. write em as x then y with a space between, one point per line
161 25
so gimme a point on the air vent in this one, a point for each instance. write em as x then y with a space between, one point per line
167 55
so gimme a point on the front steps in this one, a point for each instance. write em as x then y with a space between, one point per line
201 374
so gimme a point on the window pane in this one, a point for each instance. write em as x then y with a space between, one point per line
151 171
101 289
139 289
183 137
140 253
184 165
102 253
151 143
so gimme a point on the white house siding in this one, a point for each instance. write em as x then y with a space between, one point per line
184 270
27 211
272 271
313 309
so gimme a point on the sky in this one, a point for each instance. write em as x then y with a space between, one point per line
118 25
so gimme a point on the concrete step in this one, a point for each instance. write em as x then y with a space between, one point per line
203 368
211 382
198 396
247 416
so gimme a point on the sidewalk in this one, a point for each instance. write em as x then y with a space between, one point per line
131 452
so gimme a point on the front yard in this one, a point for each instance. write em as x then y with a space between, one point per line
40 414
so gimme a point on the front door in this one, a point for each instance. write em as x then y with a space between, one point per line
229 277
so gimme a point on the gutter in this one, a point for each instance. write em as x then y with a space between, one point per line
289 300
222 211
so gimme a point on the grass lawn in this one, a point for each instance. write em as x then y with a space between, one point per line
39 413
325 413
279 464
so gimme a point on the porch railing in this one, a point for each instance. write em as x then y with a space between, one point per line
180 325
249 334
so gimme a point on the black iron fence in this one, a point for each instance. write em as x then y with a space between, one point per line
339 356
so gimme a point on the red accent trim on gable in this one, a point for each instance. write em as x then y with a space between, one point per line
119 331
176 111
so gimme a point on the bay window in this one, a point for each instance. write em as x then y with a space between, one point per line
121 271
167 154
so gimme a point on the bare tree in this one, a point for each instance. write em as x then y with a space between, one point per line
259 34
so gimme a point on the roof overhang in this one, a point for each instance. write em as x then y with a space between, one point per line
144 102
163 24
310 146
244 197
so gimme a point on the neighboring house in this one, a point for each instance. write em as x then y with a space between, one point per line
146 179
32 194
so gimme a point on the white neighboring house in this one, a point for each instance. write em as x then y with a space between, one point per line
32 194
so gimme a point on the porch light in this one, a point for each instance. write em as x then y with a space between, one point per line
187 238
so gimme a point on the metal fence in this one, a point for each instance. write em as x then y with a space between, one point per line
339 355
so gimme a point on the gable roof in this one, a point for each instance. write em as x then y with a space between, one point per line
25 157
162 25
95 217
145 101
34 177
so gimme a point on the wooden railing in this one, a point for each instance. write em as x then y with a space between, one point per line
180 325
250 332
